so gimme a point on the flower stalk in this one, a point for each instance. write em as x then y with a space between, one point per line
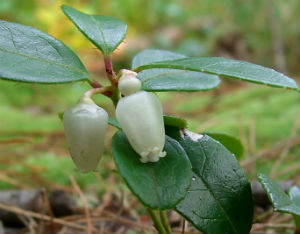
165 222
157 223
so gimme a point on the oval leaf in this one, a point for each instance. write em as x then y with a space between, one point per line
29 55
171 79
105 32
280 200
219 199
229 68
160 185
233 144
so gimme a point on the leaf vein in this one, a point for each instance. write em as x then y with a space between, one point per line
101 32
45 61
162 74
217 201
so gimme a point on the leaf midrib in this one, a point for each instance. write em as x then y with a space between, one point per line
213 195
155 184
162 74
102 34
45 61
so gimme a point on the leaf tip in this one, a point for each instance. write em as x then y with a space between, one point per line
64 7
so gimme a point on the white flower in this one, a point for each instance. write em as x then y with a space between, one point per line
141 118
128 83
85 127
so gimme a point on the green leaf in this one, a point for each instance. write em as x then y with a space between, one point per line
175 121
29 55
151 55
171 79
160 185
232 143
280 200
168 120
219 199
294 194
229 68
105 32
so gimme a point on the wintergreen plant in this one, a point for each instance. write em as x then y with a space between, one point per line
165 165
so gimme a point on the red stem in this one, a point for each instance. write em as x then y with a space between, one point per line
109 70
95 84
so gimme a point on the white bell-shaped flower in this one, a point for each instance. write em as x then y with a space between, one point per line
128 83
85 126
141 118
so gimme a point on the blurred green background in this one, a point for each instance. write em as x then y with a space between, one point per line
33 152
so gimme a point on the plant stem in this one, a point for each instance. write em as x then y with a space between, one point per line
109 71
88 94
95 84
115 97
164 220
115 93
157 224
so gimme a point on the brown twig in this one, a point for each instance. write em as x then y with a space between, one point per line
50 212
284 153
13 182
86 209
109 216
28 222
259 226
272 151
179 231
107 197
288 170
126 221
20 211
183 226
118 214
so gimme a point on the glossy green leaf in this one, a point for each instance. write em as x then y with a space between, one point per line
229 68
294 194
171 79
233 144
29 55
105 32
219 199
175 121
160 185
152 55
168 121
280 200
